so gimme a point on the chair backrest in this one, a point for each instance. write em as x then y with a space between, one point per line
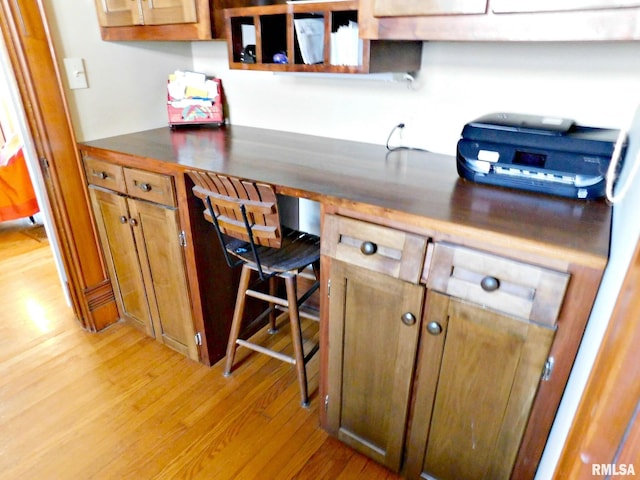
229 197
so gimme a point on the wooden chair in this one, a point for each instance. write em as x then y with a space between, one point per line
247 222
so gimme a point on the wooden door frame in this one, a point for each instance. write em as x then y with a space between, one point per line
32 58
606 428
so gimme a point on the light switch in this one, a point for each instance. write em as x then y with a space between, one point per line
76 75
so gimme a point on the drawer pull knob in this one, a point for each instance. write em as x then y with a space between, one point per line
434 328
102 175
123 219
408 319
490 284
368 248
145 187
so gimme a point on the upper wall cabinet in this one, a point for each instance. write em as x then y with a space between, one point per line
164 20
117 13
512 6
318 36
395 8
500 20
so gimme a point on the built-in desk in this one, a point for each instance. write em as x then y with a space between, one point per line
422 188
416 193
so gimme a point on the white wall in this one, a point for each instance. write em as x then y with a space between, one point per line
594 83
127 80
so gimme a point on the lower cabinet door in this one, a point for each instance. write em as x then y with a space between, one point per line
112 219
374 322
157 233
489 373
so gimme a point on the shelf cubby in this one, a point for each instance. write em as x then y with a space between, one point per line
273 29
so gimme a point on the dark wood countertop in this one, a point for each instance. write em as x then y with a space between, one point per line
418 188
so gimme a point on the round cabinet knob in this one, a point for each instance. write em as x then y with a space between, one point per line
145 187
490 284
123 219
434 328
102 175
408 318
368 248
133 222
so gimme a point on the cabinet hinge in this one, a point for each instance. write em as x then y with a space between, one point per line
198 338
44 166
548 369
183 239
326 403
328 288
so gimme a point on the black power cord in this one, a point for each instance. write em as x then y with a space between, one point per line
400 147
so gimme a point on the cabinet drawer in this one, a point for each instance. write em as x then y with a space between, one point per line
382 249
104 174
153 187
525 291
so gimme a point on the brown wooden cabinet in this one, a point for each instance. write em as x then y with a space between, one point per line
500 20
269 38
371 367
375 307
164 21
446 392
487 370
388 234
117 13
122 257
488 330
398 8
512 6
139 230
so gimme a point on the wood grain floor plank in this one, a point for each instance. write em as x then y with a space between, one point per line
116 404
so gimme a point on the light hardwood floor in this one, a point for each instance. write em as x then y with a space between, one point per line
118 405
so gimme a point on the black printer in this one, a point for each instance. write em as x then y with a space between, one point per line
541 154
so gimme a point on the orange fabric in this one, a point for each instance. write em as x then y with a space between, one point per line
17 198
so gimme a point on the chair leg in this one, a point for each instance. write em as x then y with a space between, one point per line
273 286
236 323
296 336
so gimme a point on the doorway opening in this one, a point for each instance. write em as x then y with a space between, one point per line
25 203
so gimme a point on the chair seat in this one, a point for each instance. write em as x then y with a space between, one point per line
298 250
247 223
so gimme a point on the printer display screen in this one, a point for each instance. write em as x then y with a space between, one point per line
529 159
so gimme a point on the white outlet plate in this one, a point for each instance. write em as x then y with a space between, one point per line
76 75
